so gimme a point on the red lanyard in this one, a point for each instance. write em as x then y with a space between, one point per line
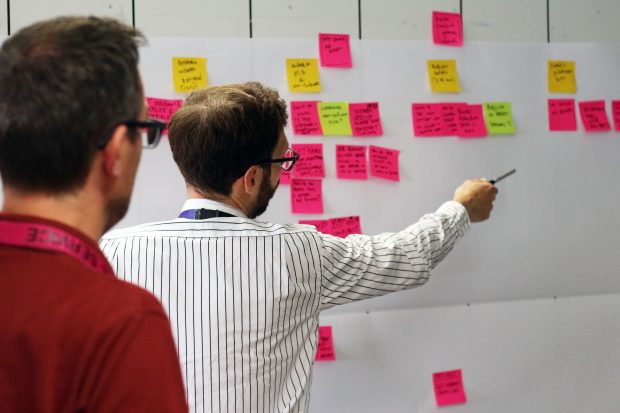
50 238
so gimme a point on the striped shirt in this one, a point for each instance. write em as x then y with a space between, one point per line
244 296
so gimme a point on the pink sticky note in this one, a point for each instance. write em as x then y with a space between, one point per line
615 109
471 122
306 196
285 177
351 162
322 225
310 163
335 50
162 109
384 163
562 116
449 388
593 116
305 118
342 227
450 115
325 350
447 29
365 119
428 120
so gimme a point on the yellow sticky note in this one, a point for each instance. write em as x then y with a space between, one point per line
443 76
303 75
561 74
189 73
334 117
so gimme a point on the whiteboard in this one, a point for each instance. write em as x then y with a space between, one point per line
554 230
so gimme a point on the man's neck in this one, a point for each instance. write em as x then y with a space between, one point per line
69 209
193 193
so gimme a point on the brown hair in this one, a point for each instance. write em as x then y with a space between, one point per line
223 130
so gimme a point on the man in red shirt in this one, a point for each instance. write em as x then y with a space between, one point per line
73 338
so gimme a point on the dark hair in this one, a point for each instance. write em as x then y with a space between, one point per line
64 83
221 131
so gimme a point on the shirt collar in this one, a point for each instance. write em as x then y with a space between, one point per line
197 203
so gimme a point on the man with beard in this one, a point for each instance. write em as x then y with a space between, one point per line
244 296
73 338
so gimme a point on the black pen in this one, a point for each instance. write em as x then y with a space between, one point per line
499 178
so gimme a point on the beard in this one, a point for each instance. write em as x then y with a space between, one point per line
265 194
115 211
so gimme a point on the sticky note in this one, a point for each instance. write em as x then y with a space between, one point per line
562 115
384 163
351 162
443 76
345 226
615 111
471 122
427 119
334 117
450 117
365 119
561 75
325 350
189 73
310 163
285 177
322 225
305 118
593 116
306 196
449 388
303 75
447 29
335 50
162 109
498 116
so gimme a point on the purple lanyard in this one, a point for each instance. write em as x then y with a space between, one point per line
204 214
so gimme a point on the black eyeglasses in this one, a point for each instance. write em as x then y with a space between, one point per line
287 162
150 132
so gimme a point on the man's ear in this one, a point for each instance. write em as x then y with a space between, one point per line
112 152
251 179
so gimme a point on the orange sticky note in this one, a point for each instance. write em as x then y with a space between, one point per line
189 73
449 388
325 350
443 76
303 75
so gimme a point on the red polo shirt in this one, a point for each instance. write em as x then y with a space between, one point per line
74 339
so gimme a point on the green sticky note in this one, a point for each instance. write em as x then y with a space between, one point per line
498 116
334 117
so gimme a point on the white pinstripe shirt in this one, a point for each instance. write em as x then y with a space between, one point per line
244 296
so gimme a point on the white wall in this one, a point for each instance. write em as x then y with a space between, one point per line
546 355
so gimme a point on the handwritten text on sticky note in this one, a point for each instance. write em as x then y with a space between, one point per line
427 119
365 119
447 29
303 75
498 117
449 388
615 111
306 196
594 116
335 50
310 163
443 76
334 117
325 350
345 226
189 73
305 118
471 122
384 163
562 115
351 162
162 109
561 76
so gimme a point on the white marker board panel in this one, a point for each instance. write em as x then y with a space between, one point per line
554 230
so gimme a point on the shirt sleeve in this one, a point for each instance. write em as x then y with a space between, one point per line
361 266
137 369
